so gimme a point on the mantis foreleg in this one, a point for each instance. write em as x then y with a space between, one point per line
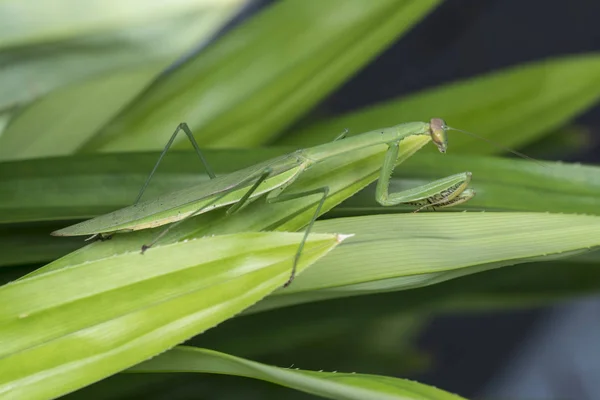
445 192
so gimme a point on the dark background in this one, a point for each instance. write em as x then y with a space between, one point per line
460 39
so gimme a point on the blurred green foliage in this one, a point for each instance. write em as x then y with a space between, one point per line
91 92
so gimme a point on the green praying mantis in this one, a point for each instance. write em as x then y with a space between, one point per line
275 178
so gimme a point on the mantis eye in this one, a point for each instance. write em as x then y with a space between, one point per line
438 128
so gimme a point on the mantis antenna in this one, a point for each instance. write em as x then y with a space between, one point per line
496 144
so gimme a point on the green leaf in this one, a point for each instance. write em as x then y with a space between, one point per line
283 331
23 23
64 329
399 252
81 187
332 385
31 243
567 142
343 177
514 106
259 78
37 132
58 189
500 184
43 49
85 186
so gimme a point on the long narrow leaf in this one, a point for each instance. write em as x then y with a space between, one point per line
331 385
82 187
282 330
343 177
259 78
63 188
514 106
398 252
61 121
85 186
64 329
499 183
47 45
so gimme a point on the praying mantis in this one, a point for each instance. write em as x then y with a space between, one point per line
275 178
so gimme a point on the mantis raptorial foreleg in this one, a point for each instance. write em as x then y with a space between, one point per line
382 194
465 196
445 192
186 129
449 197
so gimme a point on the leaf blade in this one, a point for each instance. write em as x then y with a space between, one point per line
156 303
286 72
325 384
405 249
529 100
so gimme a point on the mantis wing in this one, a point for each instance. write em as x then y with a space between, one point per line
175 206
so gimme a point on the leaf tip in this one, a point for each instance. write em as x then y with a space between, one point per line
341 237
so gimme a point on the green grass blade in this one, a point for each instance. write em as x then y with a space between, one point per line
285 330
60 122
262 76
527 102
31 243
500 184
26 24
43 49
398 252
64 188
80 187
562 143
344 178
64 329
331 385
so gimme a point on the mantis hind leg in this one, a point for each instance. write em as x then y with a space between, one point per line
323 191
188 132
260 177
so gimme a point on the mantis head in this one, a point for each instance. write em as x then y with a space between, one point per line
438 128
